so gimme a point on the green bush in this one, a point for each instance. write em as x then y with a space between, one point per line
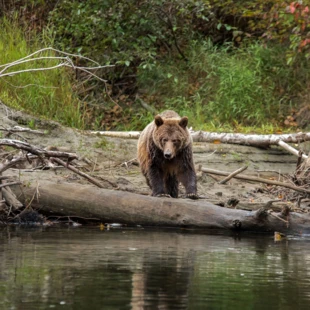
125 31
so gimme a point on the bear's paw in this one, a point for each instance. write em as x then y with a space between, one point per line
193 196
163 195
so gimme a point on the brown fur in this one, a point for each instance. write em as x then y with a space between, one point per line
165 155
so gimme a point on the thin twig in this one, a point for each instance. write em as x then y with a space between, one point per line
57 51
32 70
29 60
233 175
286 222
66 62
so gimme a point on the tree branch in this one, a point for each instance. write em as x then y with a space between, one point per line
260 180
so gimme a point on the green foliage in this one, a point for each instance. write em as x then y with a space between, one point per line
227 87
46 93
124 31
291 23
222 63
244 94
277 21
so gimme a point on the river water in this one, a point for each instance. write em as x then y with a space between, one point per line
89 268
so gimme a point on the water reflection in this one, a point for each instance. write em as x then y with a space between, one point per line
86 268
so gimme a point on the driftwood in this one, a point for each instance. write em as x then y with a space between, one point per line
112 206
84 175
20 129
260 180
10 198
248 139
10 201
232 138
118 134
232 175
302 172
36 150
291 149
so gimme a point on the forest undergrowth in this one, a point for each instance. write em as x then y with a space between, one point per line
240 84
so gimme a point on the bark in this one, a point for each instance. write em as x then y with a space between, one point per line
112 206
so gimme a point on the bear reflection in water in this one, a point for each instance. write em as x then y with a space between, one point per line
166 157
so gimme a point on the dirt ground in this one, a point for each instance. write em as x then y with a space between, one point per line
112 161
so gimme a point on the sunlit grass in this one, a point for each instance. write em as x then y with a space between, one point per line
45 93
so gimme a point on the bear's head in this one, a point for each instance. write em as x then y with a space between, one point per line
171 135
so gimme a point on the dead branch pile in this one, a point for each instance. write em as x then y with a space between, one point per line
11 209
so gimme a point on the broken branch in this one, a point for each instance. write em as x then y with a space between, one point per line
21 129
233 175
84 175
290 149
260 180
36 151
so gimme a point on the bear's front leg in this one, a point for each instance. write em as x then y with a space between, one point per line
156 180
172 185
188 179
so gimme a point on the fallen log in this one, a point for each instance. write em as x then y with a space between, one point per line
250 139
230 138
111 206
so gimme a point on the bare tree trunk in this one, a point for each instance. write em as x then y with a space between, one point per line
112 206
248 139
232 138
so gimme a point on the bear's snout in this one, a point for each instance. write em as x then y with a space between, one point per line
169 150
167 154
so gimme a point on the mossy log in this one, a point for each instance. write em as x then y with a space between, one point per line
112 206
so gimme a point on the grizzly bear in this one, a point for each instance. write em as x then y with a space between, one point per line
165 156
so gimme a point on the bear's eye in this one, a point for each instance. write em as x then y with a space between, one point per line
165 140
175 141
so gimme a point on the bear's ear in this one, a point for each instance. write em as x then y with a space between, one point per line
158 120
183 122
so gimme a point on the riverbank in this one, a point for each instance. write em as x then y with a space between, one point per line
112 162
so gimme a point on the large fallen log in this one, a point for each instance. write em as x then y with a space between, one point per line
111 206
231 138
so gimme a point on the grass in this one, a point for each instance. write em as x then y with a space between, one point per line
249 89
43 93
